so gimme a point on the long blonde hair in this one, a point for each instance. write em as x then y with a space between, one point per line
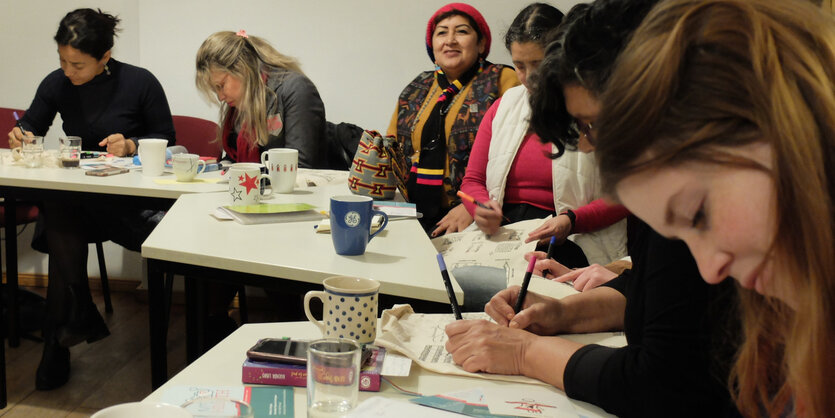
703 75
246 57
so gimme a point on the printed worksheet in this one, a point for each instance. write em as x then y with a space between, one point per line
421 337
505 249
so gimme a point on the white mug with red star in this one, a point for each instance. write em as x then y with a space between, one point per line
283 165
245 183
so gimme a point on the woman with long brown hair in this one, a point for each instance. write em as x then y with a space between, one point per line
718 127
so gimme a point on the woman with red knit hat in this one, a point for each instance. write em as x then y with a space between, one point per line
438 113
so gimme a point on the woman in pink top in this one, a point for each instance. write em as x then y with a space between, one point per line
511 171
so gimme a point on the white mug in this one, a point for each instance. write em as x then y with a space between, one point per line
245 183
349 308
187 166
152 156
282 165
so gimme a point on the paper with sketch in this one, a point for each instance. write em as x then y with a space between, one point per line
528 402
422 338
505 249
380 407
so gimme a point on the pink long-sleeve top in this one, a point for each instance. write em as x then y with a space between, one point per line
529 180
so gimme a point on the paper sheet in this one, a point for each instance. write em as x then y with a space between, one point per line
380 407
505 249
421 337
308 177
528 402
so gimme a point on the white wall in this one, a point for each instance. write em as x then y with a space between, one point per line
360 53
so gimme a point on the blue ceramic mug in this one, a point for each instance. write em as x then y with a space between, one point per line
351 223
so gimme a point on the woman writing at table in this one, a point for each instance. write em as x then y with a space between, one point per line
512 171
438 113
733 142
110 105
677 355
265 102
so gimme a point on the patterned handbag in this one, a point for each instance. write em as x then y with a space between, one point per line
371 172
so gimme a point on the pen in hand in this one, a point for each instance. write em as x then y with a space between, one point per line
18 124
453 302
520 300
477 203
552 246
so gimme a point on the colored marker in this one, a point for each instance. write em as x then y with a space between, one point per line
453 302
477 203
18 124
520 300
552 246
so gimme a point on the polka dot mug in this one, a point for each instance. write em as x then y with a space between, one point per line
350 308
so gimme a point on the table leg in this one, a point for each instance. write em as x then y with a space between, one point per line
156 316
11 270
195 289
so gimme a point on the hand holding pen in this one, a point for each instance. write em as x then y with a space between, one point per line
488 220
14 139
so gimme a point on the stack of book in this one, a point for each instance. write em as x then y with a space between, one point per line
285 374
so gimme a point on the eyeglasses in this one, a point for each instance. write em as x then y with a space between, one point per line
586 129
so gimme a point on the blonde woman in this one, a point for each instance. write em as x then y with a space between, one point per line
717 128
265 99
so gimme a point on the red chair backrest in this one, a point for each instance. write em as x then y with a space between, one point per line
7 122
197 135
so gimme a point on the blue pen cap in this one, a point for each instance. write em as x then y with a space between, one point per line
441 261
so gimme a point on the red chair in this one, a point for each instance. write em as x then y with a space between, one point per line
197 135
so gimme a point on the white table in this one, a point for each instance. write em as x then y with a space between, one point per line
221 366
189 241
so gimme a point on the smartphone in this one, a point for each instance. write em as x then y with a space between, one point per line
107 171
289 351
279 350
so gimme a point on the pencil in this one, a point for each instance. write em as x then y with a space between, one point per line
520 300
552 246
477 203
453 302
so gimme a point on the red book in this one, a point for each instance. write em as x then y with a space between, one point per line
209 160
284 374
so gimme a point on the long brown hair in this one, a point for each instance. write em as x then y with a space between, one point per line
245 57
701 76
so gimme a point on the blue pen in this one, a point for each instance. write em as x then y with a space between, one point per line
453 302
552 246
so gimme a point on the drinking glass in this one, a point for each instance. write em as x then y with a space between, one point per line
333 371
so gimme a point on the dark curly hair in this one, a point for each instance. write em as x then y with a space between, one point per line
532 24
581 51
87 30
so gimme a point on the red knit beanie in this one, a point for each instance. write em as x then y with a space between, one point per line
467 10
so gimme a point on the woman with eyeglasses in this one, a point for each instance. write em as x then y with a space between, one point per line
679 343
512 172
438 113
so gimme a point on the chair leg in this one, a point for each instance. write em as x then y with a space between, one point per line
244 313
105 284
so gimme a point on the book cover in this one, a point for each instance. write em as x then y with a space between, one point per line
282 374
265 401
266 213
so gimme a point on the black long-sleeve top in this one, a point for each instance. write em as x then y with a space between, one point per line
681 336
128 101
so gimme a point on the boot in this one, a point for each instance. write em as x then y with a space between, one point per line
54 369
84 322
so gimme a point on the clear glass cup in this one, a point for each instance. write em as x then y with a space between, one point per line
333 371
32 150
218 407
70 151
